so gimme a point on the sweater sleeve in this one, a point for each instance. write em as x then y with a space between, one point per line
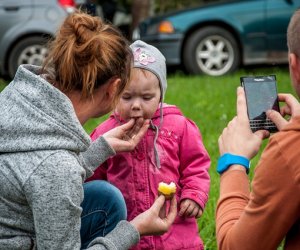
55 193
194 165
122 237
97 153
100 171
262 218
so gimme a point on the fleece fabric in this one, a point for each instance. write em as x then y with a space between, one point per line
45 155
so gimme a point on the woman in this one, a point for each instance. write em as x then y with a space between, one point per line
45 154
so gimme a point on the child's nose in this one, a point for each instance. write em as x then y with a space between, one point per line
136 104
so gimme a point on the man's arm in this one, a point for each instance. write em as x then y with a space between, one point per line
259 220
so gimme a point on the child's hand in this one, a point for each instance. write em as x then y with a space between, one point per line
190 208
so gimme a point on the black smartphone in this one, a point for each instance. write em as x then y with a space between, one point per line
261 95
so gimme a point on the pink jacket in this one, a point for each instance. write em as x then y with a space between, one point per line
184 160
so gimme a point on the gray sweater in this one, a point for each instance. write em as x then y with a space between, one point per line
45 155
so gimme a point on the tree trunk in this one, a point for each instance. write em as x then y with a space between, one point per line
140 10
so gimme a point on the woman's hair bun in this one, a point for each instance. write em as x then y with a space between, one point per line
86 53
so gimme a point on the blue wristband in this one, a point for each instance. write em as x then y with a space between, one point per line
226 160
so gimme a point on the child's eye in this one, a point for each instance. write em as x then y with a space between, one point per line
147 98
126 97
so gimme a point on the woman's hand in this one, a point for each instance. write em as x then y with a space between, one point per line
190 208
127 136
155 220
237 138
291 108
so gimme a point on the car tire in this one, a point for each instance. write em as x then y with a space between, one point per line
31 50
212 51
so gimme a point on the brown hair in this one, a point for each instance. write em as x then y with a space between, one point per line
293 34
86 53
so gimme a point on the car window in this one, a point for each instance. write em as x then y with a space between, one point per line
278 13
13 13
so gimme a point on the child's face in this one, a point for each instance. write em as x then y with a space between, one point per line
141 97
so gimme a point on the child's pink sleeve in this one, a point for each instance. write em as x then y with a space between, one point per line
194 165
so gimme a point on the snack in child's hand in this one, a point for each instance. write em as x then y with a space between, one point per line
168 190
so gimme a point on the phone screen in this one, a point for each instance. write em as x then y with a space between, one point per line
261 95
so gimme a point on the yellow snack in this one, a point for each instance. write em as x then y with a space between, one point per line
168 190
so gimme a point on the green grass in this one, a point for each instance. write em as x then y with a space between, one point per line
211 103
2 84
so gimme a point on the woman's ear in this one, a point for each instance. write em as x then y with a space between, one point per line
112 88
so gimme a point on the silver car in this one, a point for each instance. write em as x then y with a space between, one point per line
25 27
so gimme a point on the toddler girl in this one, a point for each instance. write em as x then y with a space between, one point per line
171 151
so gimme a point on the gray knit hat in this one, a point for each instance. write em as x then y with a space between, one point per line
150 58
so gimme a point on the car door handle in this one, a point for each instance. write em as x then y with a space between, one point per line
11 8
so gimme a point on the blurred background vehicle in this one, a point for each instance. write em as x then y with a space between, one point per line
212 37
26 25
217 38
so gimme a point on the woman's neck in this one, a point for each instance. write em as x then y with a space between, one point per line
81 106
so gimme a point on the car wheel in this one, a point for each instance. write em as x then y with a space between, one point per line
31 50
211 50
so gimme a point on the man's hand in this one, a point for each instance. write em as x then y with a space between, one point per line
291 108
237 138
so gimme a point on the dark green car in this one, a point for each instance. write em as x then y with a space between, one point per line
216 39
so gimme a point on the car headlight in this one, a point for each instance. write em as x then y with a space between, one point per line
165 27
